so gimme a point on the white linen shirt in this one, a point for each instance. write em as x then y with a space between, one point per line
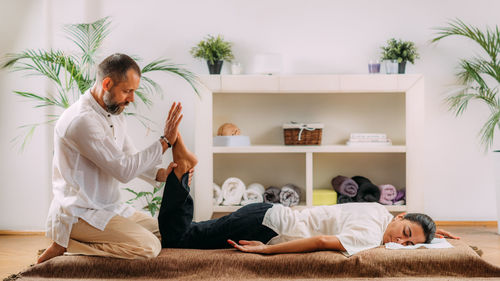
92 152
358 226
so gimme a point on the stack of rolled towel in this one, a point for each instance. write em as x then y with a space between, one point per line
361 189
234 192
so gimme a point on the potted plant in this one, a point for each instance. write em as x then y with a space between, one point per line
479 77
215 51
399 50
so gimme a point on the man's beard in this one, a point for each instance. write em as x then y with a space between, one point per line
111 106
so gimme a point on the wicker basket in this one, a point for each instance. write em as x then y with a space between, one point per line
302 134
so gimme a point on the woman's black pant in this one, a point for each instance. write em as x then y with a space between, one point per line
179 231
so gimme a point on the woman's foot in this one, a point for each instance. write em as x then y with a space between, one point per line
52 251
184 158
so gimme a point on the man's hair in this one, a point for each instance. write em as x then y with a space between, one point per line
116 67
426 222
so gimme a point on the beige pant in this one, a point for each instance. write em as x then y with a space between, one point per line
134 237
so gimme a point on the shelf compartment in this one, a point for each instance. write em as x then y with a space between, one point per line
267 169
380 168
230 209
261 116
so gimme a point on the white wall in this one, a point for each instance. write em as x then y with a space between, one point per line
313 37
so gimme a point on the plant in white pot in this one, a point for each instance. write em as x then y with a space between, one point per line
401 51
480 78
215 51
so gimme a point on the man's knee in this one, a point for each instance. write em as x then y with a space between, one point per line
151 246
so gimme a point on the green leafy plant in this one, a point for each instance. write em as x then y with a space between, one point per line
152 200
73 74
479 76
213 49
399 50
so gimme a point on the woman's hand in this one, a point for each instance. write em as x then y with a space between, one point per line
440 233
172 124
249 246
162 174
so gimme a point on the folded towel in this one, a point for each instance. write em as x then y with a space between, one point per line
401 195
272 194
322 197
344 199
217 195
345 185
387 193
367 192
290 195
232 191
436 243
253 194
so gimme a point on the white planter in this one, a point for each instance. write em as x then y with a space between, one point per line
496 171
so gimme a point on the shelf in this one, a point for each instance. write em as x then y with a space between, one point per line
309 148
230 209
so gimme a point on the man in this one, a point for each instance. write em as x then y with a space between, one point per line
92 152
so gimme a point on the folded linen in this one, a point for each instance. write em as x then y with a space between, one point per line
344 199
290 195
253 194
345 185
232 191
387 193
322 197
217 194
272 194
367 192
436 243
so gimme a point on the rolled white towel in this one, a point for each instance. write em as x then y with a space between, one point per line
290 195
217 195
232 191
253 194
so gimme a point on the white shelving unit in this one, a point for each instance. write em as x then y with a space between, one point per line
260 104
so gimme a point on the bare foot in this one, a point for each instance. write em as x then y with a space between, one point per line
184 158
52 251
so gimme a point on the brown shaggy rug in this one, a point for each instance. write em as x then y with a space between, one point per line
228 264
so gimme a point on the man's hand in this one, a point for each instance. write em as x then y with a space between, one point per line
249 246
440 233
172 124
163 173
190 176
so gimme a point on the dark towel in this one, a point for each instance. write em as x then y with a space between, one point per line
367 192
272 195
344 199
345 185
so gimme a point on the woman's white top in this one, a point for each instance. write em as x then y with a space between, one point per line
92 152
358 226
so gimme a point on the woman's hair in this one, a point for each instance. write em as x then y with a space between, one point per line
426 222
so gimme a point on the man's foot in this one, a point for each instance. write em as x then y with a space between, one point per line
52 251
184 158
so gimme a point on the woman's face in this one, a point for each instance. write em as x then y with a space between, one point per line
404 232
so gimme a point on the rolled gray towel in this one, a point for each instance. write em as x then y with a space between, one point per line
345 185
272 195
290 195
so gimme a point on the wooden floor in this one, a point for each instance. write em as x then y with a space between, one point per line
19 251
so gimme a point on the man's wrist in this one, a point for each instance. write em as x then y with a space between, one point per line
163 138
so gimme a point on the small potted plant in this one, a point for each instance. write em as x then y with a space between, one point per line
215 51
399 50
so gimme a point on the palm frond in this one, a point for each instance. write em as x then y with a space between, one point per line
163 65
143 97
88 37
43 101
489 42
488 130
28 135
